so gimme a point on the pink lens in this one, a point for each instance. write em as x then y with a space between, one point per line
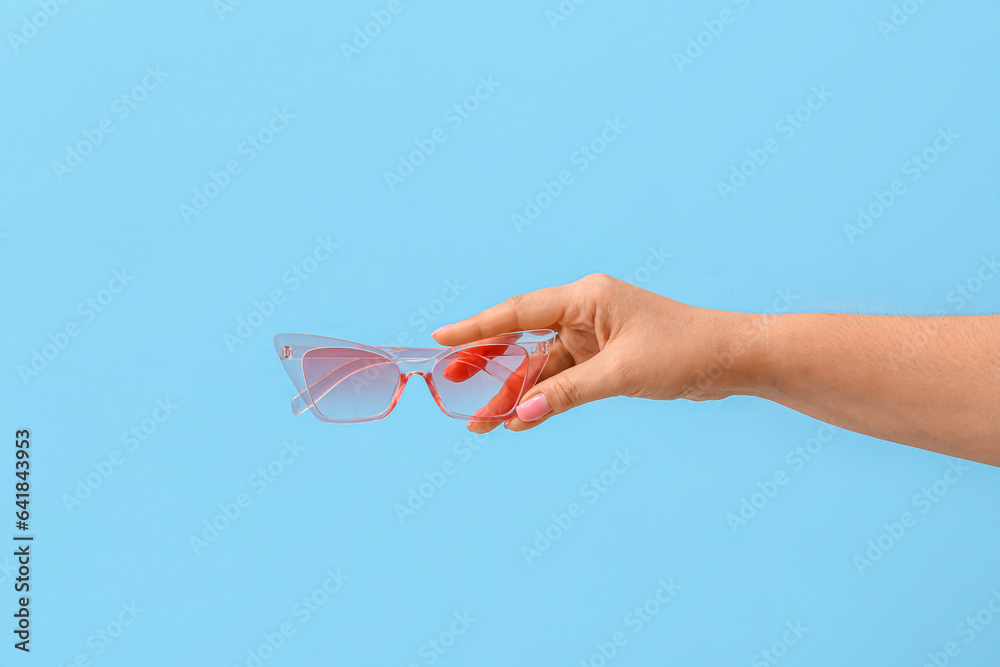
345 383
483 381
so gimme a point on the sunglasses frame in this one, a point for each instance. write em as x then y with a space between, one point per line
409 361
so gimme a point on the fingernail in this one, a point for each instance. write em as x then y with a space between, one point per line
534 408
439 330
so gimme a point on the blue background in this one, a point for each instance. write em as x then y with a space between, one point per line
323 176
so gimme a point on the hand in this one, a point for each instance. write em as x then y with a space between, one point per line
616 339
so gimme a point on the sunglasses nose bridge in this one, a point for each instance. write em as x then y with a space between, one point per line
420 367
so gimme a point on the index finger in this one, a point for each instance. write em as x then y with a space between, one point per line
471 361
534 310
503 402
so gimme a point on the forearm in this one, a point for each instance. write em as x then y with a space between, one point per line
929 382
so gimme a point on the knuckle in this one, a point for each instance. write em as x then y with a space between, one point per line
597 278
600 283
514 301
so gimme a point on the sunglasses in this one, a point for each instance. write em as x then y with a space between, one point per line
342 382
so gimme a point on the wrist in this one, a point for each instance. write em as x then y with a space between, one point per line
740 354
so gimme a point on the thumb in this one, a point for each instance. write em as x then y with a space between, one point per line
592 380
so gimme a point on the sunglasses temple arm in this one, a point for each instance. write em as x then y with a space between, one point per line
305 399
498 372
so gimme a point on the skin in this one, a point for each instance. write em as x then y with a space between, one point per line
928 382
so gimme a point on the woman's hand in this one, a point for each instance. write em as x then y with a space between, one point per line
616 339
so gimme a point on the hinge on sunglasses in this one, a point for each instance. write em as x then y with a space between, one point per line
286 351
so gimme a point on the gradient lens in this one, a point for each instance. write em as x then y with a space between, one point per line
483 381
345 383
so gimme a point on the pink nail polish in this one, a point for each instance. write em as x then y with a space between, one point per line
439 330
534 408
